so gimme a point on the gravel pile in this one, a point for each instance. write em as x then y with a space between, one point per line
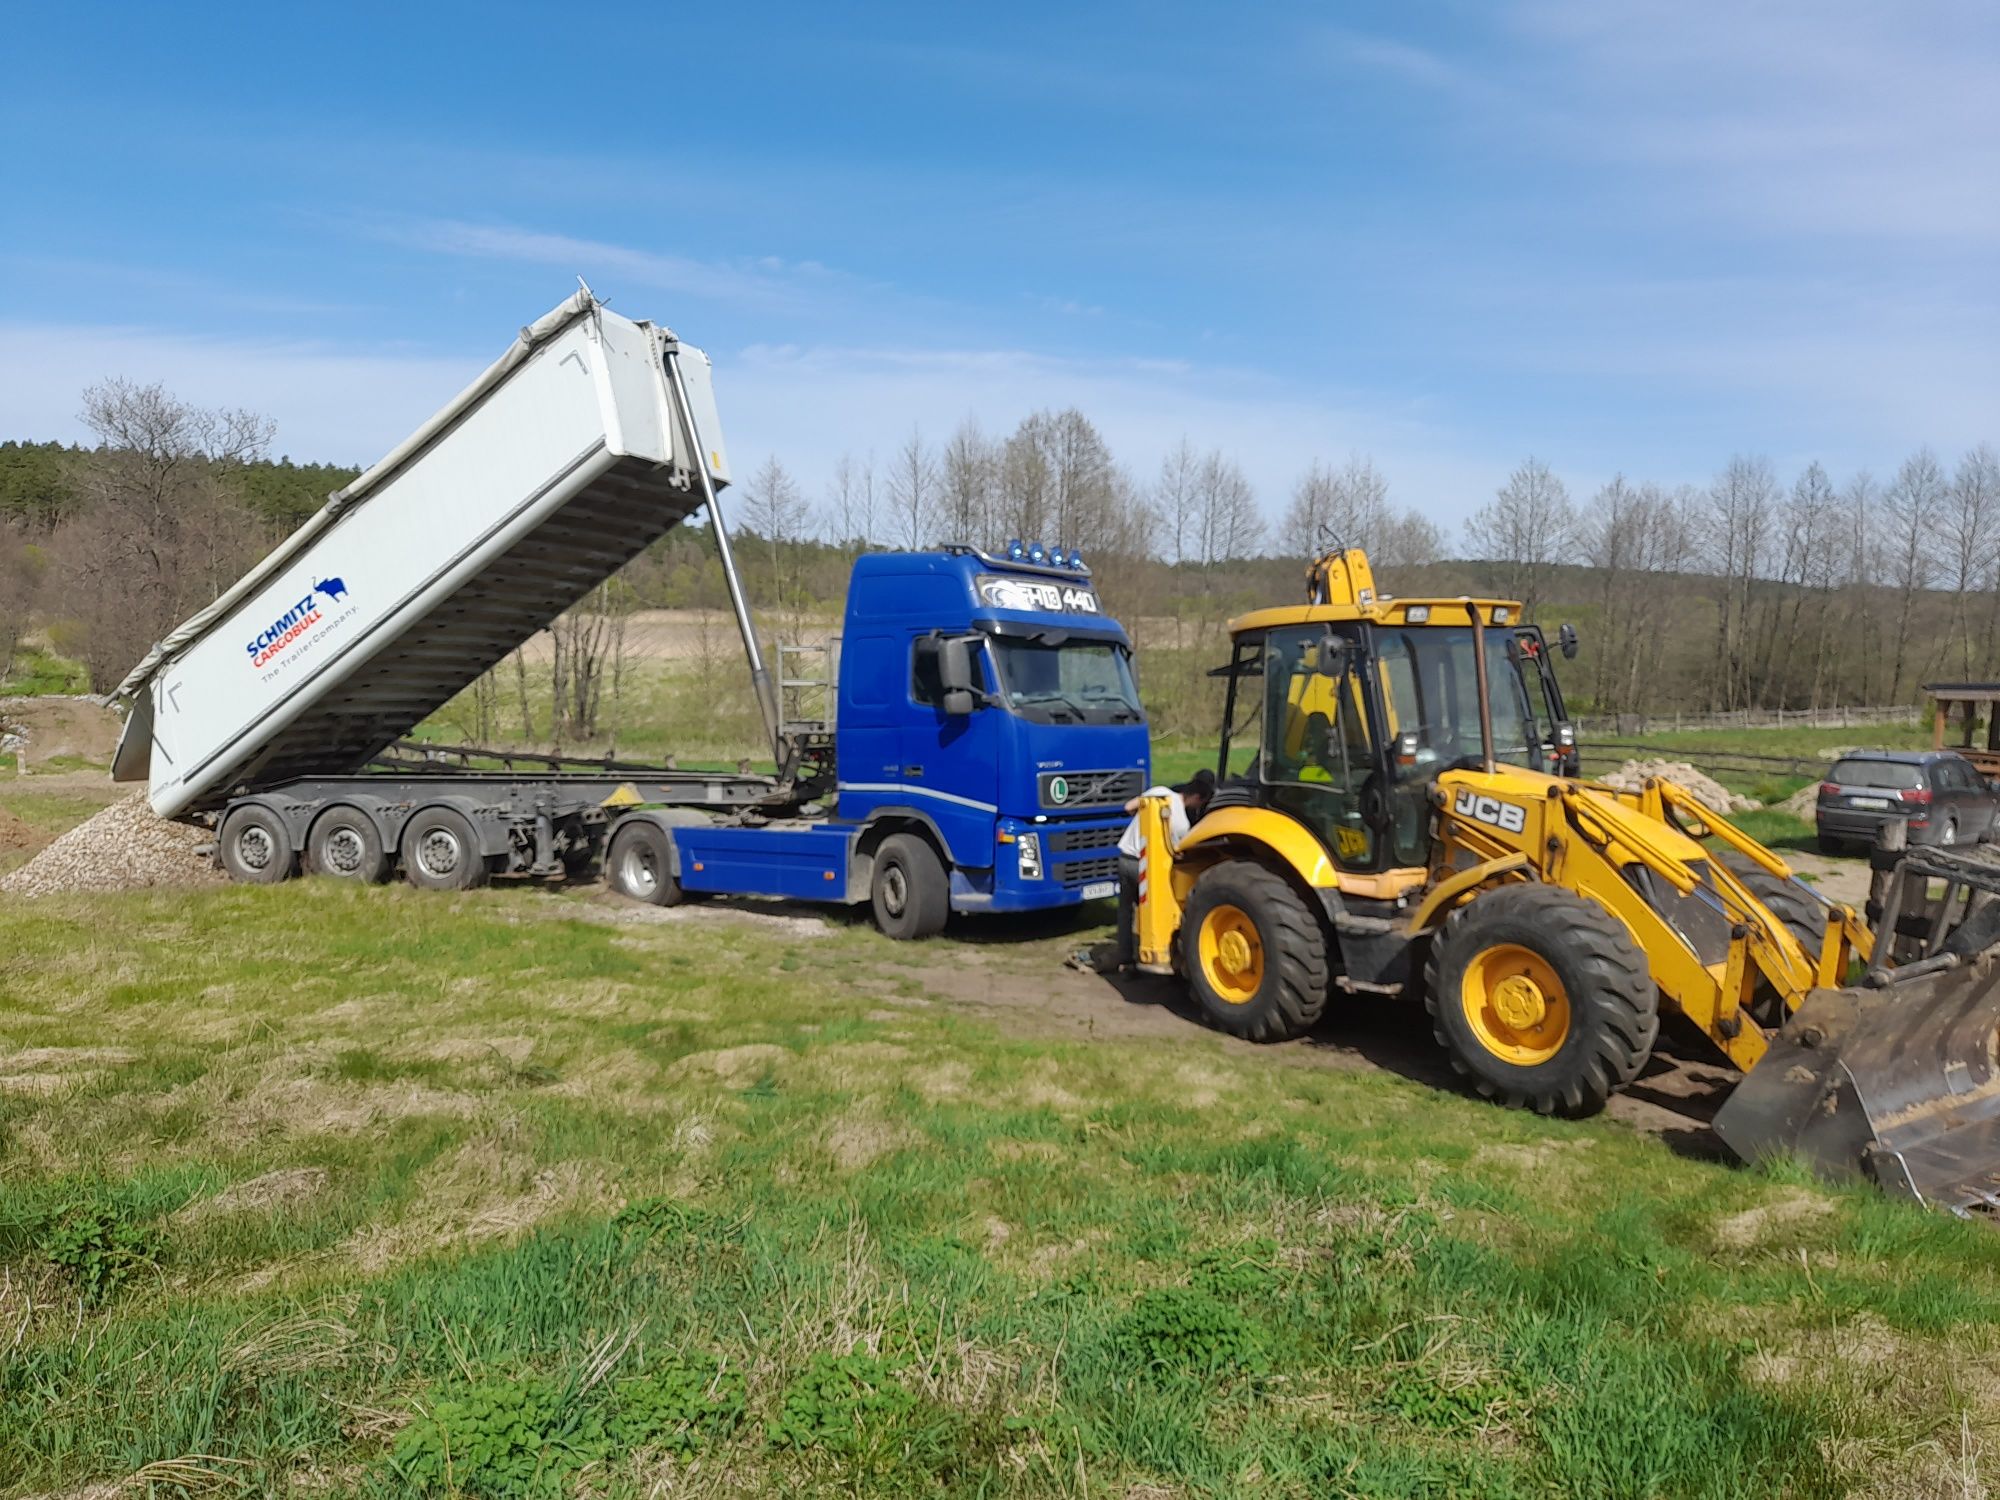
1709 792
121 849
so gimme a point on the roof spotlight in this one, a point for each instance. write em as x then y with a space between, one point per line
1056 556
1076 561
1015 551
1036 554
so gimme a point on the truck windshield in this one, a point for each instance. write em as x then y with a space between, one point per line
1430 686
1074 681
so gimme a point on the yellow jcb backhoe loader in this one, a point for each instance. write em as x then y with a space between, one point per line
1390 820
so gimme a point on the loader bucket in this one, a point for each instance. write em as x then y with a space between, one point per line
1897 1083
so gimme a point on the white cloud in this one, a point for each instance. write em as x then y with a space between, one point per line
764 281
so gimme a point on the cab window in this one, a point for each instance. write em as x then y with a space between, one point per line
1317 756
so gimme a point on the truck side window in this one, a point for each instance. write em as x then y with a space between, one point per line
925 684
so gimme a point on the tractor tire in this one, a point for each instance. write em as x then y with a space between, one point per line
256 847
441 852
343 843
1542 999
1801 916
910 894
639 865
1254 952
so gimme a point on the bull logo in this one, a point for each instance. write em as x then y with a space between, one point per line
333 588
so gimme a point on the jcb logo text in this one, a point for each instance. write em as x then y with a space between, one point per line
1508 817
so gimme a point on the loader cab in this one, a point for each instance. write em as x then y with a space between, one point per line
1344 724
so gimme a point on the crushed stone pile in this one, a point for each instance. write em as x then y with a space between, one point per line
1706 790
123 848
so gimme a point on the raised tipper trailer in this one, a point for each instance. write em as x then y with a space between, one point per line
986 699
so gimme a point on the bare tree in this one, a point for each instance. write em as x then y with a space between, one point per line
852 504
968 477
1740 504
913 493
1174 500
161 531
1059 484
1967 531
1227 525
1911 508
1528 526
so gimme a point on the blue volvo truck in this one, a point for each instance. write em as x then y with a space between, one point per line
986 734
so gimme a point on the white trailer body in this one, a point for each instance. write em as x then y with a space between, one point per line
565 459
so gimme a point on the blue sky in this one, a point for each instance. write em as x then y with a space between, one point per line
1635 237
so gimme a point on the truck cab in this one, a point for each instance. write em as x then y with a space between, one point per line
986 732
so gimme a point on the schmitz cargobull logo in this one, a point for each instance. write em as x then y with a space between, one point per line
272 641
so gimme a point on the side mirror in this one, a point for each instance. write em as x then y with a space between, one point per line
955 676
1566 642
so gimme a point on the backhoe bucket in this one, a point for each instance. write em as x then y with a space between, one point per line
1899 1084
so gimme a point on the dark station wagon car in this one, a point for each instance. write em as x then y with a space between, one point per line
1938 793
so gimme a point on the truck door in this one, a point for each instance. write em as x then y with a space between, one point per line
950 762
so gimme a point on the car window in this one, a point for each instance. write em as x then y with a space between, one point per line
1950 777
1898 774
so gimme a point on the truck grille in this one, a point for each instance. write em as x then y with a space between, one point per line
1068 840
1087 788
1084 871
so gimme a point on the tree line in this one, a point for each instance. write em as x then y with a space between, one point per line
1754 590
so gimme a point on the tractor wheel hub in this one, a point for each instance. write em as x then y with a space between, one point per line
1518 1001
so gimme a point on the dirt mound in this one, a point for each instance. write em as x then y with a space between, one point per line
1706 790
16 833
123 848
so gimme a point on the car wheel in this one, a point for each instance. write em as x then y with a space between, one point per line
1948 834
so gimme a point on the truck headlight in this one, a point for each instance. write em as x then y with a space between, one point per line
1030 847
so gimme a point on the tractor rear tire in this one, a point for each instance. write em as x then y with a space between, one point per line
1254 952
1542 999
639 864
441 852
910 893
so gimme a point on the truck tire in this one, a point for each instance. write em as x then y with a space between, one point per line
1254 952
910 894
343 843
1541 998
256 847
639 865
441 852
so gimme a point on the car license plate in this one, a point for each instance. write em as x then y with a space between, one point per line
1878 803
1098 889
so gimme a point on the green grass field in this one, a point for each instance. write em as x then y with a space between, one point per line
322 1190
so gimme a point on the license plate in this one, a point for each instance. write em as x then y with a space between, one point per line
1875 802
1098 889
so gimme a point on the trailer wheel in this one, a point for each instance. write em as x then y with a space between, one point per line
910 894
640 865
256 848
441 853
344 844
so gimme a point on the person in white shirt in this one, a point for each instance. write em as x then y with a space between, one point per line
1190 800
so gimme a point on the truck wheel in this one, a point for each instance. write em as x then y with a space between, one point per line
256 847
344 844
1542 998
909 893
640 865
441 853
1254 953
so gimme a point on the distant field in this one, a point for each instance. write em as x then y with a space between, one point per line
335 1191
